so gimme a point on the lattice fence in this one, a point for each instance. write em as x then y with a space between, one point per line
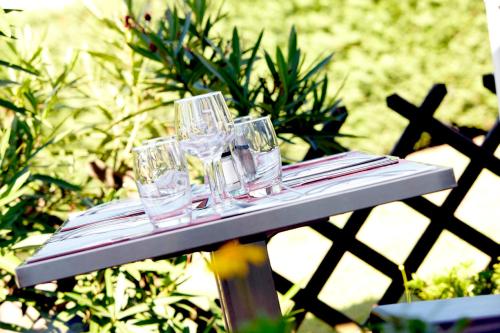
441 217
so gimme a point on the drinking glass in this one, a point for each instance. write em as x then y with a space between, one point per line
230 167
163 182
258 155
204 128
158 139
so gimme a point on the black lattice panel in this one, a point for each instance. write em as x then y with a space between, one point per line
441 217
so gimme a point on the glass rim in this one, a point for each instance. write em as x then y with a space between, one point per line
143 147
140 148
192 98
242 119
159 139
252 120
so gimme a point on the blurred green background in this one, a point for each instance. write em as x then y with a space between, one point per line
380 47
65 140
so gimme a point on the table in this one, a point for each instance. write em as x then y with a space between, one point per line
483 312
337 184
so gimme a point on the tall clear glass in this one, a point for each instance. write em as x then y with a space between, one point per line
230 167
162 179
258 155
158 139
204 128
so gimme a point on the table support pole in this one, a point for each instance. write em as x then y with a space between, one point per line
245 299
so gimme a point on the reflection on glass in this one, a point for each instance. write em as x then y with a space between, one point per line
163 182
258 155
205 128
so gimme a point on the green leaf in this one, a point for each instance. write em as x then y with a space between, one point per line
235 57
4 24
109 283
9 262
84 301
33 241
11 106
119 294
318 67
146 53
185 29
11 192
11 327
222 75
271 67
4 143
4 83
106 56
56 181
292 44
282 69
39 149
17 67
251 60
139 308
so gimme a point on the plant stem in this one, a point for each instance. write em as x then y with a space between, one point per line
405 283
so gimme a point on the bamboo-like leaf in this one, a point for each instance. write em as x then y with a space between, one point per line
11 327
124 328
106 56
32 99
271 67
251 60
185 29
39 149
17 67
32 241
235 56
10 192
148 109
9 262
199 7
119 294
222 75
146 53
318 67
4 143
56 181
139 308
4 24
6 82
11 106
282 70
84 301
292 44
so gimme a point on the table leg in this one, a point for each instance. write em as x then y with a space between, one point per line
244 299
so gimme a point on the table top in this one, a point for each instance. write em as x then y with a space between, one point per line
314 190
443 310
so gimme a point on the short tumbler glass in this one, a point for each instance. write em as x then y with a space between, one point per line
258 155
163 182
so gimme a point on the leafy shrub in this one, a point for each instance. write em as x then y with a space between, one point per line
36 141
77 117
193 59
382 47
458 282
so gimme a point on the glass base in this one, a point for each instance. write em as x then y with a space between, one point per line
167 222
237 192
265 191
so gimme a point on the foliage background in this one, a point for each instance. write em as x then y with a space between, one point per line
380 47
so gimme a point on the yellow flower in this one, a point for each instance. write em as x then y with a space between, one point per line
233 259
